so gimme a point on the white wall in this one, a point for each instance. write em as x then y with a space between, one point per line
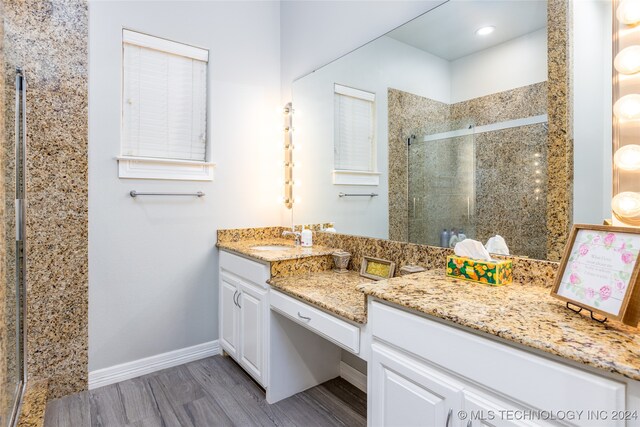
518 62
592 111
382 64
152 261
317 32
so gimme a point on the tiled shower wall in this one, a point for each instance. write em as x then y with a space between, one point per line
49 40
6 303
509 171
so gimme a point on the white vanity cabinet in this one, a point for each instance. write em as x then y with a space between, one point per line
406 392
435 374
244 313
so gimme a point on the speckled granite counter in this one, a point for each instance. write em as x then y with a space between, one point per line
334 292
244 247
526 315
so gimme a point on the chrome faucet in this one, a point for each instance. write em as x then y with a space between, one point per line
297 235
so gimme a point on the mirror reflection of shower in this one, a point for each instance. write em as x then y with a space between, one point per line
441 185
468 181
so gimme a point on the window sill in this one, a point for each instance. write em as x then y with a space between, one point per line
169 169
343 177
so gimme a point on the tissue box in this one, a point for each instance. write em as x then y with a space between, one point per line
495 273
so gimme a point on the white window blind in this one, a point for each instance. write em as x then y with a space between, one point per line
354 127
164 110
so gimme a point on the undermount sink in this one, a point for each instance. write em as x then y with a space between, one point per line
271 248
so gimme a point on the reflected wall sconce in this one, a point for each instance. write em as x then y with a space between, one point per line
628 12
625 204
288 156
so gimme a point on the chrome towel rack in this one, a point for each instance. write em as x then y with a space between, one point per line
357 195
134 194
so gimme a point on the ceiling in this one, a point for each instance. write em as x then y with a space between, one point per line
448 31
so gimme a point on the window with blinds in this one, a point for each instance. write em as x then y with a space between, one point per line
354 127
164 100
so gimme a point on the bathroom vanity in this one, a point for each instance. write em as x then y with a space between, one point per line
440 351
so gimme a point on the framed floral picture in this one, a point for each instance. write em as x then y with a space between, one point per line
599 271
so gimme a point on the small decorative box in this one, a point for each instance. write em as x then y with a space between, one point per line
495 273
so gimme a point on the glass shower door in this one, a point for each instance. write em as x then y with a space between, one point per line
441 184
12 315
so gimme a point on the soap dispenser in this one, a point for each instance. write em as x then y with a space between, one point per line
307 237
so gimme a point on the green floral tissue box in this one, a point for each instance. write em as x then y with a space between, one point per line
495 273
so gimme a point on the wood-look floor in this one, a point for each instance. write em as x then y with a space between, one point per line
208 392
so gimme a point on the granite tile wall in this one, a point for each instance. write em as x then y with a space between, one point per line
407 114
560 141
7 299
49 40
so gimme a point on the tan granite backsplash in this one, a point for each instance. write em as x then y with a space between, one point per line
295 267
526 271
258 233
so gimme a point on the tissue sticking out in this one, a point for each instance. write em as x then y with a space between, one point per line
473 249
497 245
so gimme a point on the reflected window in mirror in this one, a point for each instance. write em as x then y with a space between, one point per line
354 126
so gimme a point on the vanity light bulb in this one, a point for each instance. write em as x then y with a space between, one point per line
628 158
628 12
627 107
297 183
626 204
297 200
628 60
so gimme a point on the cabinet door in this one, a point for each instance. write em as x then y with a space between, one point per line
482 410
228 315
252 302
405 391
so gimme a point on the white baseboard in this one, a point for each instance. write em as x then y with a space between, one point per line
136 368
353 376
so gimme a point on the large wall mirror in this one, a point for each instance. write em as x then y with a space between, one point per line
461 121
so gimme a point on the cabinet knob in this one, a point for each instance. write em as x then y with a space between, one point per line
234 298
449 417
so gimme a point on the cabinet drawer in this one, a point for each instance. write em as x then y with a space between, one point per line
330 327
533 380
250 270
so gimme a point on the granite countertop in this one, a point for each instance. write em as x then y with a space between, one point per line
243 247
524 314
334 292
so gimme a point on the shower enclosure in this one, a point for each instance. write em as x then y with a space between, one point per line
14 286
441 183
480 180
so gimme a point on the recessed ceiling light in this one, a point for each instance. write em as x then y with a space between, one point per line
484 31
